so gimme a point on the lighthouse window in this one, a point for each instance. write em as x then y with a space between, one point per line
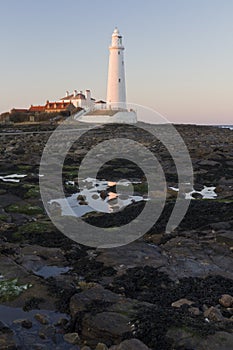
118 52
119 80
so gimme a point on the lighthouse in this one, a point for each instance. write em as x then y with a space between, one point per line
116 94
115 109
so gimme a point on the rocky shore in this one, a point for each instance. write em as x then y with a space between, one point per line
161 292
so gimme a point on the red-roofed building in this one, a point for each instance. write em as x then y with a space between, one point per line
19 110
35 109
52 107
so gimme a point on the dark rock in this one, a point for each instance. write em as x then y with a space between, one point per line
194 311
197 195
208 163
132 255
107 327
103 194
26 324
4 328
82 301
218 341
131 344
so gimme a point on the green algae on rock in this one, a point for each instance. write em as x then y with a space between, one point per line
10 289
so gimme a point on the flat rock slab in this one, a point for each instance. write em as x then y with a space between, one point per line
189 258
106 327
131 344
188 340
82 301
132 255
8 199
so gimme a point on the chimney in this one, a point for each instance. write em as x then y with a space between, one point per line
67 93
88 95
75 93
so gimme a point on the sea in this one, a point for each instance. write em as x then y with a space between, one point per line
226 126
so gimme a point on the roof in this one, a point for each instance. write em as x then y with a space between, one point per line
36 108
100 101
22 110
79 96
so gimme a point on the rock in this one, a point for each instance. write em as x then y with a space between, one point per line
103 194
213 314
192 258
217 341
225 237
81 198
132 255
4 328
72 338
222 225
182 302
62 322
81 301
108 327
7 341
194 311
26 324
208 163
47 332
187 339
41 319
198 187
197 195
101 346
131 344
85 348
226 300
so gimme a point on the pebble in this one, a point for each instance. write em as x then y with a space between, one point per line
101 346
226 300
182 302
41 318
195 311
213 314
131 344
26 324
72 338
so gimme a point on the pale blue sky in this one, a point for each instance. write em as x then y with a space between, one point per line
179 53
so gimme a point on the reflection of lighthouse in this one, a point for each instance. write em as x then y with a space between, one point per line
116 96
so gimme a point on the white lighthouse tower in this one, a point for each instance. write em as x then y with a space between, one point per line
116 95
115 110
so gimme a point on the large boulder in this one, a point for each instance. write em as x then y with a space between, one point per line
131 344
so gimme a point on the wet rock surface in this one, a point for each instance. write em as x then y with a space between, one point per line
164 291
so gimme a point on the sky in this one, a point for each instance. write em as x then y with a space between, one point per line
178 53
